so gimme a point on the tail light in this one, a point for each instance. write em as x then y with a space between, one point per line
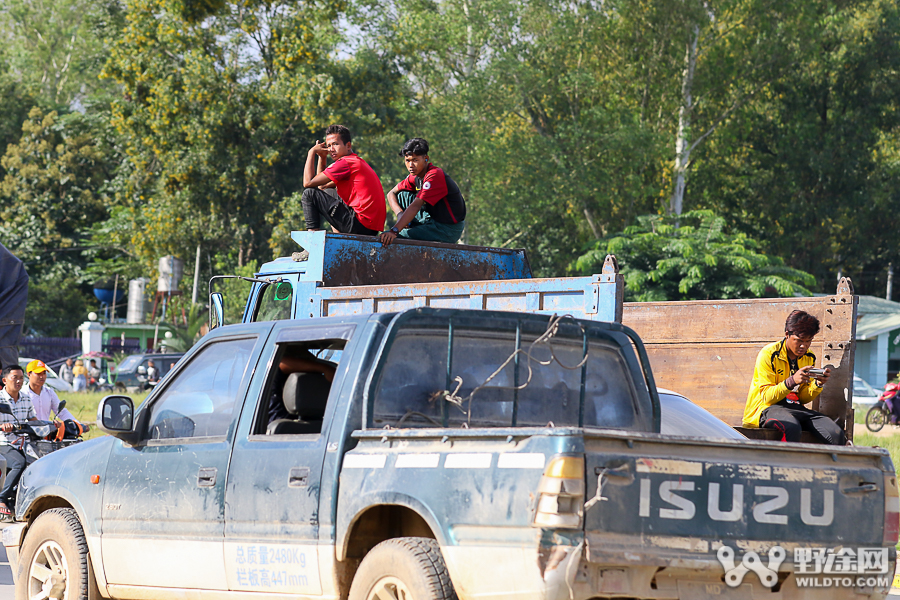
561 494
891 511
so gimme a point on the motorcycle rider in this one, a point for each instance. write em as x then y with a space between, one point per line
42 397
12 446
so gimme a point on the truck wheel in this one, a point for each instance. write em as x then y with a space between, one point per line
54 561
409 568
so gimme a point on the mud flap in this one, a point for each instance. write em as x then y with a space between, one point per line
559 555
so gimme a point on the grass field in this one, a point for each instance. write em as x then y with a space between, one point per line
888 438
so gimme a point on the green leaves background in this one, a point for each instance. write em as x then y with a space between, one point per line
137 128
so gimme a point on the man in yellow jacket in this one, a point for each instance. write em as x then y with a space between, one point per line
782 385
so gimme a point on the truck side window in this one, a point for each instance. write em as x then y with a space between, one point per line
298 387
275 302
200 401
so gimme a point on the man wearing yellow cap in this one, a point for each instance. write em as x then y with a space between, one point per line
43 398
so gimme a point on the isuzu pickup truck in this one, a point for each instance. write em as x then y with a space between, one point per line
437 454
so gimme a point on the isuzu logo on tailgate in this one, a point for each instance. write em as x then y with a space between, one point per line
672 505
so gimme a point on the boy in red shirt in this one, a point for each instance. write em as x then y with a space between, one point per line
358 204
428 204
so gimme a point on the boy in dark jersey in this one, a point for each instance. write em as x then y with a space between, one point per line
428 204
358 204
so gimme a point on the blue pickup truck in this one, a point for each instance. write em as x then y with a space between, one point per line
443 453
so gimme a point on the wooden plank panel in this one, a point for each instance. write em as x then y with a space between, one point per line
716 376
707 349
760 320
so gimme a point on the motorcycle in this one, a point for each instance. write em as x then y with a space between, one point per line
44 437
886 408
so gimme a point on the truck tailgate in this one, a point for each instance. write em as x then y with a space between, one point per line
667 500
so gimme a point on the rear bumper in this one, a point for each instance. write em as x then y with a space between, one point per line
563 572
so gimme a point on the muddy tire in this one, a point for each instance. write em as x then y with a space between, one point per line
55 554
409 568
876 418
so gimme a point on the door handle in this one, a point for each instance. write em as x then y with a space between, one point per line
206 477
863 488
298 477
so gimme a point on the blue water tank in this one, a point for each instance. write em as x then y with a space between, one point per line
106 296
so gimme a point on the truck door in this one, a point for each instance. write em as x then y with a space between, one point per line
163 512
272 494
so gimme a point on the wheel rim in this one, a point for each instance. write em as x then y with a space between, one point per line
875 419
389 588
48 569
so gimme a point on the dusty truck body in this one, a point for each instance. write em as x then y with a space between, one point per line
705 350
457 453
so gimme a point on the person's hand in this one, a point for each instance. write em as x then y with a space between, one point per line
6 427
319 149
85 427
802 375
386 237
822 379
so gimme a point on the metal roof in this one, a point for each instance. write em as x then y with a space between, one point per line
876 316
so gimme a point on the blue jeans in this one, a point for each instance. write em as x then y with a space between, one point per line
426 229
16 461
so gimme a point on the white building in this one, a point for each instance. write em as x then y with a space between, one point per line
877 357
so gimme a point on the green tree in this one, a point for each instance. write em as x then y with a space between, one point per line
52 192
54 48
693 258
55 307
221 102
185 336
810 170
523 106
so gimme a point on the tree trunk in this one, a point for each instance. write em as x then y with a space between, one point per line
469 66
682 139
590 221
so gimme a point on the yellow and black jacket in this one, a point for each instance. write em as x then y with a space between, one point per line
767 387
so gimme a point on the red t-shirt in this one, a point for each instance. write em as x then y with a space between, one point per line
443 200
360 188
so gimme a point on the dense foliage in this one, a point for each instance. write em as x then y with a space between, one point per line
691 257
132 129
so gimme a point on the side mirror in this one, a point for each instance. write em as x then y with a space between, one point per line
142 370
115 416
216 310
61 406
5 409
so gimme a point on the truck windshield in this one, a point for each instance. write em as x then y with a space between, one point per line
275 302
130 364
567 379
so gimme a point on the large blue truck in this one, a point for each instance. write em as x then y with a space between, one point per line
439 453
690 344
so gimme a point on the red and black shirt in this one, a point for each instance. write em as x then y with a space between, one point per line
360 188
443 200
